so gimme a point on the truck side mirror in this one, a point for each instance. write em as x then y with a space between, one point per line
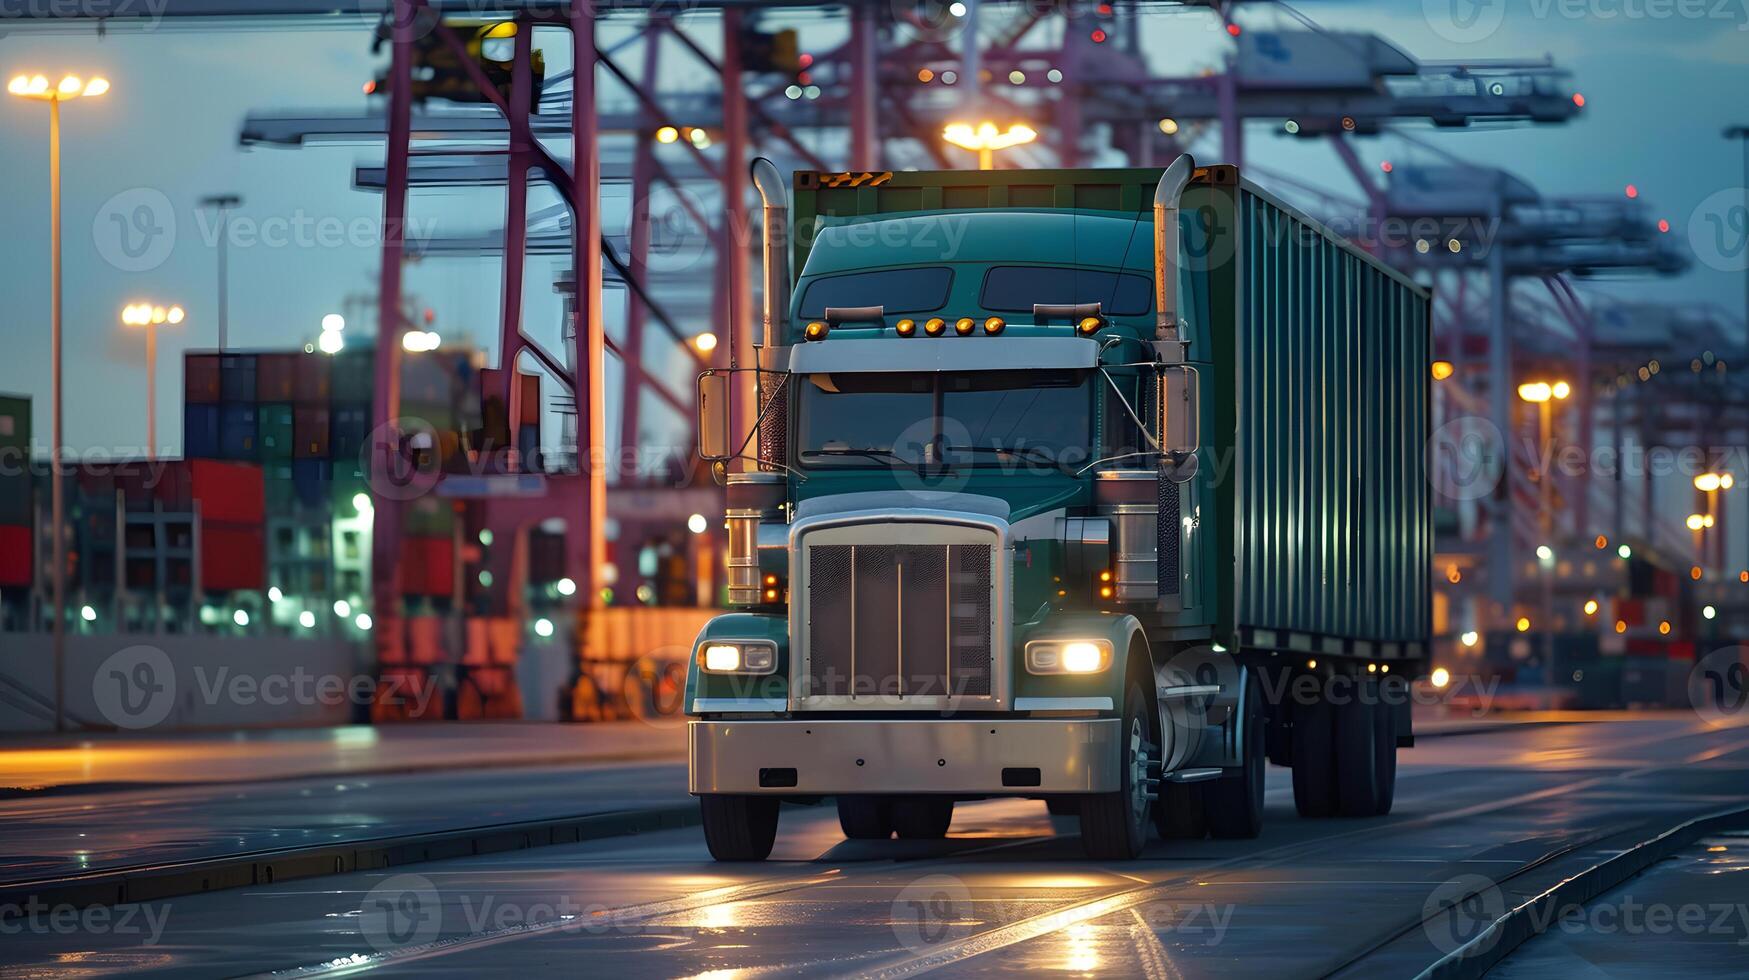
1180 416
713 417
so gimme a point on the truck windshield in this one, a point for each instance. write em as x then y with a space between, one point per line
899 290
1026 419
1016 288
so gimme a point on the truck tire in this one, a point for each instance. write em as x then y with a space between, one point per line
1314 749
1385 756
1357 764
1114 826
739 827
922 817
1179 813
1235 801
865 817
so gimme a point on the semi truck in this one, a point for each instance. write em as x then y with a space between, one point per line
1105 488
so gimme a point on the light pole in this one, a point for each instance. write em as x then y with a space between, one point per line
985 139
1741 134
223 203
1710 485
149 316
37 87
1544 394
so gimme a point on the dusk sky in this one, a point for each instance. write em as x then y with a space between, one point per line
1659 92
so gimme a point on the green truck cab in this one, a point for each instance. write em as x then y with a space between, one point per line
1100 487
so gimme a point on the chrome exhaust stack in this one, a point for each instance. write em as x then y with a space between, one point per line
774 210
1168 194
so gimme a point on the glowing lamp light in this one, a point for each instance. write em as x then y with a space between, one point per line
1523 624
1633 192
704 343
362 621
1443 370
307 619
87 613
697 524
985 139
331 342
543 627
1082 658
1590 607
1711 482
1470 638
1536 392
566 586
240 617
342 608
1710 612
1440 677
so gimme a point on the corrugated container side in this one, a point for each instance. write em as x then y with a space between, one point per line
348 430
200 379
17 555
238 435
274 435
312 432
237 378
313 384
312 478
17 498
1330 492
200 431
278 490
232 557
227 492
274 374
14 431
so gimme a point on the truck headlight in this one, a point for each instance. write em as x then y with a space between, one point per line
739 657
1068 656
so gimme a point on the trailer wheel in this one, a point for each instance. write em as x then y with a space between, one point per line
922 817
865 817
1357 757
1114 826
1314 750
1385 756
739 827
1235 801
1179 813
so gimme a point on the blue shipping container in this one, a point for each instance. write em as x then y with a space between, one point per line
200 431
237 432
313 480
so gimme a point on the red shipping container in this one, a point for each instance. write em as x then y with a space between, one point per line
15 555
310 430
427 566
200 378
174 488
425 639
228 493
1631 611
232 557
275 377
312 383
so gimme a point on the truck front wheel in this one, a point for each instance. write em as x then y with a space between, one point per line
739 828
1114 826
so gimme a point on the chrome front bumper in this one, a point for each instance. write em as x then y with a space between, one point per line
1019 757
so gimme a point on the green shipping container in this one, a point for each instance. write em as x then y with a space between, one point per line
14 430
1311 509
274 428
277 489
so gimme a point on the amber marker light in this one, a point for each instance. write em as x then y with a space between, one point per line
935 326
906 327
964 326
993 325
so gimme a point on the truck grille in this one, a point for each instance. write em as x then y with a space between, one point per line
899 620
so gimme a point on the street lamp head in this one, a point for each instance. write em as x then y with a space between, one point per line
1536 392
986 136
1561 390
71 87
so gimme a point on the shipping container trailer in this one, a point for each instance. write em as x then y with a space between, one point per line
1155 438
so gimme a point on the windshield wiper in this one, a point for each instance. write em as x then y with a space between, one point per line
1033 454
884 454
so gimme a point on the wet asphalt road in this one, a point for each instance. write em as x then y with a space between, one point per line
1008 891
